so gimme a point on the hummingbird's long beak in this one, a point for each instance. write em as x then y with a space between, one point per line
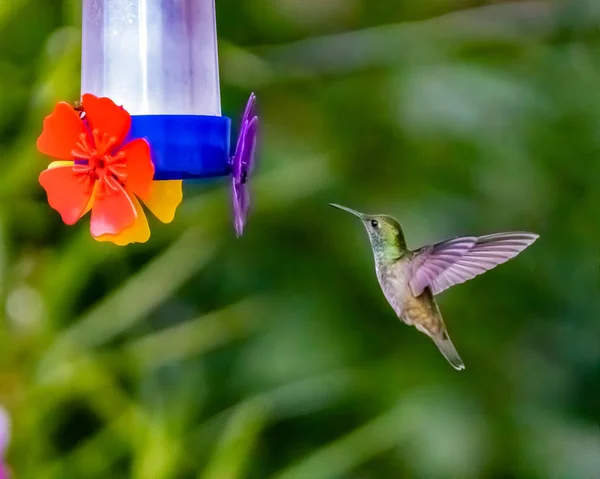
355 213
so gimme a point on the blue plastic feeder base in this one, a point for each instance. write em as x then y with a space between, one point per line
185 146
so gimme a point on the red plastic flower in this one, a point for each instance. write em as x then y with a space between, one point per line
100 173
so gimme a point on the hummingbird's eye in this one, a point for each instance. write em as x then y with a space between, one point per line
374 223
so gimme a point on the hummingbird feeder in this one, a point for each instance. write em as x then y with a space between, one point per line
149 118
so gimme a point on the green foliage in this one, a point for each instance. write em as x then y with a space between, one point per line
197 355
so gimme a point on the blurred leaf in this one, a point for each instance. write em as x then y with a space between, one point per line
237 442
198 335
348 452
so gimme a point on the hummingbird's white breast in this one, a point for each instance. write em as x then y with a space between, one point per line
393 279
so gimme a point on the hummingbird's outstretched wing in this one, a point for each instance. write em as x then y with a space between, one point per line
457 260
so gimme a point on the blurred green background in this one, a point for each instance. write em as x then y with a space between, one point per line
197 355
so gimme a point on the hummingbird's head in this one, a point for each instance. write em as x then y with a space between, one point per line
385 233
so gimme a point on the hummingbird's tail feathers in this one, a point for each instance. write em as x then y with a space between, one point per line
448 350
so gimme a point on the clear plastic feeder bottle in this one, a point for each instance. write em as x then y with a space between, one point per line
158 59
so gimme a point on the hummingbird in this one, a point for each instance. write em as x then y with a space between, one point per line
411 279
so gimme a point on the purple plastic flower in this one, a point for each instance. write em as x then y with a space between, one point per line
241 165
4 438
